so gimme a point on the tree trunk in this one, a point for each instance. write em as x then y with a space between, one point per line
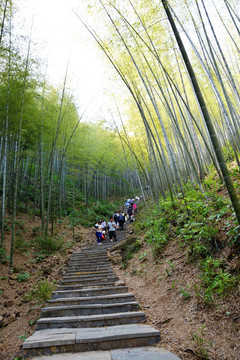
206 115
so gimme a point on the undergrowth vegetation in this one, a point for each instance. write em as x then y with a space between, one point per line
42 291
202 224
83 215
87 215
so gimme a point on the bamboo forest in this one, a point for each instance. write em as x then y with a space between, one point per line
162 129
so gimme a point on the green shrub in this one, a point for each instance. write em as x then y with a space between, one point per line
20 224
50 244
4 257
216 281
23 276
21 244
36 230
41 292
201 344
203 243
130 249
157 236
185 293
39 257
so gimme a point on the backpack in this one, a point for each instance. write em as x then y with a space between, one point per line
115 217
121 217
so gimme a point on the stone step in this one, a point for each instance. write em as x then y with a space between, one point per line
51 341
91 249
89 260
88 268
91 256
97 248
90 292
102 299
94 275
89 279
90 263
94 309
103 266
99 280
137 353
131 317
89 273
87 263
82 286
83 272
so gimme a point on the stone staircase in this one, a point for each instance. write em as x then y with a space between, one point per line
88 313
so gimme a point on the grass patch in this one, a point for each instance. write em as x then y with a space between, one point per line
41 292
49 244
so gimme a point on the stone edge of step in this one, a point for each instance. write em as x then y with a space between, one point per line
88 306
91 317
65 336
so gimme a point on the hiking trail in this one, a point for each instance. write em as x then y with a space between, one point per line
90 317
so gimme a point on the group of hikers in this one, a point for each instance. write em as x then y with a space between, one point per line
116 221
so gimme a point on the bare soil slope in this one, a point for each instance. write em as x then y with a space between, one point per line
167 295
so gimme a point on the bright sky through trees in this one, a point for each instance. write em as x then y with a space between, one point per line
59 38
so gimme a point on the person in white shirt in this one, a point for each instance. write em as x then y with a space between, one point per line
98 229
103 223
112 230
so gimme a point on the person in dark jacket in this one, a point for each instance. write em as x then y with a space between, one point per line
130 210
121 220
115 217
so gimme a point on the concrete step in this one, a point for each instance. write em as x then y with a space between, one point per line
97 281
52 341
89 260
86 262
97 248
91 277
90 292
131 317
90 256
94 275
100 251
89 268
91 309
94 280
139 353
82 286
102 299
90 263
91 272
